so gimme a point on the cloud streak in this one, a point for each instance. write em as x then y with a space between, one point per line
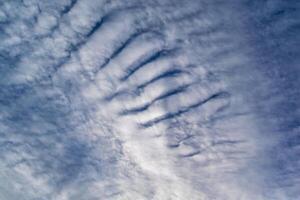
149 100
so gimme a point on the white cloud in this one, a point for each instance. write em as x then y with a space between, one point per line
146 100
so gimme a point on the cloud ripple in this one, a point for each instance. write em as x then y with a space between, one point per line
149 100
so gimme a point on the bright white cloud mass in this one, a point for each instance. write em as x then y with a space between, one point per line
149 100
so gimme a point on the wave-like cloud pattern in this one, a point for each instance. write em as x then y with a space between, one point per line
162 100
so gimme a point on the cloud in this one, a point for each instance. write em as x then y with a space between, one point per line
148 100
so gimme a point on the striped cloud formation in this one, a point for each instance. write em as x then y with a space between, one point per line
149 100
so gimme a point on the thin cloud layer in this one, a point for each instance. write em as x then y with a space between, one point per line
149 100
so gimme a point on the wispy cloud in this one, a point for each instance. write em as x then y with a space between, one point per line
149 100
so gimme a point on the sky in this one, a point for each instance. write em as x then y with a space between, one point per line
149 100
